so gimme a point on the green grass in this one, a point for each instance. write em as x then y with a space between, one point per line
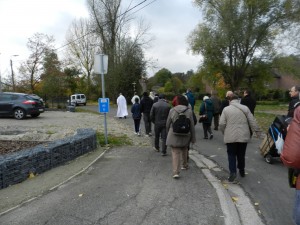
113 140
264 120
279 107
265 114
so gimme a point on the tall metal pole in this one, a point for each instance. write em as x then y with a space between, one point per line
103 95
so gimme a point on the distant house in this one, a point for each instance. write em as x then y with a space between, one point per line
283 81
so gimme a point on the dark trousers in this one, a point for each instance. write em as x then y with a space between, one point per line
236 156
206 129
216 121
137 125
160 131
147 122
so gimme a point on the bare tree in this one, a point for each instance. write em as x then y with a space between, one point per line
81 48
112 25
32 68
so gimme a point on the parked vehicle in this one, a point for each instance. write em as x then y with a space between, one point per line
19 105
78 99
37 97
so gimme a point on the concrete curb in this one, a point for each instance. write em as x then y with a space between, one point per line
241 212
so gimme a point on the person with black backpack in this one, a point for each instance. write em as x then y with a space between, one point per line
181 131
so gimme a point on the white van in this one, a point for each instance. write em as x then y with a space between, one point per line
78 99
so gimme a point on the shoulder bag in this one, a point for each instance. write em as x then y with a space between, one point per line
203 117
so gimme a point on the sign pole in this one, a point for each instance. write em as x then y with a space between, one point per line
103 95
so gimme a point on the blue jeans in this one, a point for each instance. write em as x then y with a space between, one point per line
296 214
137 125
236 156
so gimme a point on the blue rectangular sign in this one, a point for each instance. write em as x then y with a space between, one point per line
103 105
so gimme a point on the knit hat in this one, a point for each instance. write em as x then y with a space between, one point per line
205 98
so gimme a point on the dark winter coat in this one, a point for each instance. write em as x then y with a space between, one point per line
146 104
249 102
159 112
292 106
191 99
136 111
207 107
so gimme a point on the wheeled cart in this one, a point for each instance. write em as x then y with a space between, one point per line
267 148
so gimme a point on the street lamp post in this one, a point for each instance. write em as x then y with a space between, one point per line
12 73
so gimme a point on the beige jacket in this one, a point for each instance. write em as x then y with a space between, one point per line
235 121
174 140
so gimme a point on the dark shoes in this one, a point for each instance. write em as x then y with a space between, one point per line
232 177
211 136
205 137
164 154
242 173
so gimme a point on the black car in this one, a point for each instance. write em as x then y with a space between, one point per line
19 105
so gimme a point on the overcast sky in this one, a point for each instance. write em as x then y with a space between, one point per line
171 22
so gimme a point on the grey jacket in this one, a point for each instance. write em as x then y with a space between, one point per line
235 121
174 140
159 112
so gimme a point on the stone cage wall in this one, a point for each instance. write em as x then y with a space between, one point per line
16 167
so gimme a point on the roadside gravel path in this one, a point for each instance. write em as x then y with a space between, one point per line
54 125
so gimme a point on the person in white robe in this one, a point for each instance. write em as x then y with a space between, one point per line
122 107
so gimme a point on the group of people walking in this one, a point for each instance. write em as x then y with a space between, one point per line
233 116
235 122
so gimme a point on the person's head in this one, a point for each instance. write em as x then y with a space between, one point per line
145 94
229 94
233 97
135 93
205 98
247 92
188 90
161 96
294 91
136 100
181 100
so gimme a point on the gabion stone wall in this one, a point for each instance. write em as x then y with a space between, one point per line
16 167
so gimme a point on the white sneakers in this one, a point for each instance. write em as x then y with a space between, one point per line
176 176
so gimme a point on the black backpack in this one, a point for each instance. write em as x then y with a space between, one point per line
182 125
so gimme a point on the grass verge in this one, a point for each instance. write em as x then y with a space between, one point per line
113 140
